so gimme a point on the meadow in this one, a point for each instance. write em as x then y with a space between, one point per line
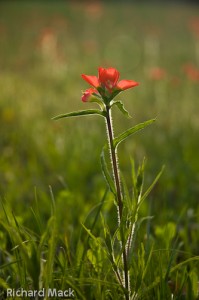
51 184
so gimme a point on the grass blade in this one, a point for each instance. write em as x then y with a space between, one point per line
152 185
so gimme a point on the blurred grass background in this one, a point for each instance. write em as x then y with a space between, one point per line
44 48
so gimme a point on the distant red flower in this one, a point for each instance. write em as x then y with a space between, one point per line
88 94
192 72
157 73
194 26
108 80
94 9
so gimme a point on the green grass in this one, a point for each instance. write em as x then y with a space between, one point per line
43 50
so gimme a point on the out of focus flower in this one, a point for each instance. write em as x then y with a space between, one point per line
194 26
94 9
157 73
48 43
192 72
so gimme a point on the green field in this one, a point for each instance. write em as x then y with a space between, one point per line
50 173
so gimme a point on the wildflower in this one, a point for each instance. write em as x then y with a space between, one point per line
89 95
94 9
157 73
192 72
194 26
48 44
107 82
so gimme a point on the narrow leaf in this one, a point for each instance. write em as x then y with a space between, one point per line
120 105
9 264
152 185
131 131
3 285
147 262
106 173
127 198
195 258
90 234
80 113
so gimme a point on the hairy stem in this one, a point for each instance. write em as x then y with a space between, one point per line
114 161
116 175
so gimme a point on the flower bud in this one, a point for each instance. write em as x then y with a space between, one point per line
88 95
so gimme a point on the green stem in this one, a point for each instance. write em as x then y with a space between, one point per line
114 161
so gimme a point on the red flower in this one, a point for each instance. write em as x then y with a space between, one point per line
108 79
92 80
192 72
88 94
157 73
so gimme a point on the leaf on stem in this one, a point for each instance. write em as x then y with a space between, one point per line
120 105
80 113
131 131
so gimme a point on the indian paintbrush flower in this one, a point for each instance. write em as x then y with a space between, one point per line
103 89
107 83
89 95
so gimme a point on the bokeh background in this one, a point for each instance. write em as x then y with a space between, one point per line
44 48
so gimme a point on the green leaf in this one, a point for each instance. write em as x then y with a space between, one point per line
106 173
99 242
181 264
3 284
120 105
80 113
131 131
92 258
194 283
152 185
147 266
175 268
127 198
139 182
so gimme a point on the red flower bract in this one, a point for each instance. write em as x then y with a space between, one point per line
92 80
126 84
87 94
108 79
